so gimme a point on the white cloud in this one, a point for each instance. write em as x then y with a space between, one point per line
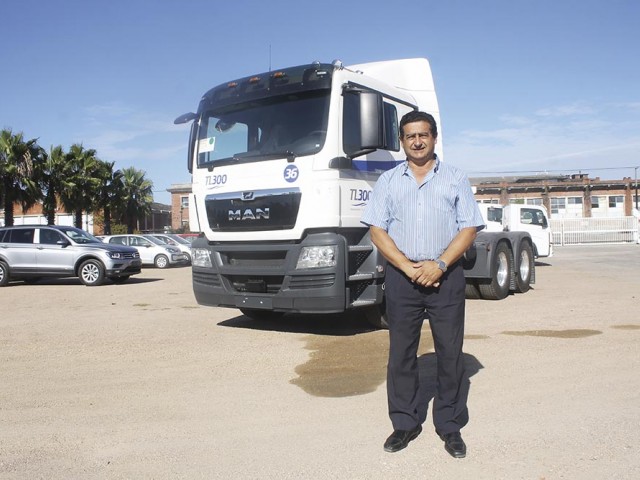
566 110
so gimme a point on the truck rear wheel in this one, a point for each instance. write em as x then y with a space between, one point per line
524 268
471 290
261 315
497 287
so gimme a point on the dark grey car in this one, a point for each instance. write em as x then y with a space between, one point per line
31 252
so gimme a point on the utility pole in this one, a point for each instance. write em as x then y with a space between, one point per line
636 176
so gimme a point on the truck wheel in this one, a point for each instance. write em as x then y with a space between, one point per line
377 316
524 268
4 274
471 290
261 315
91 273
497 287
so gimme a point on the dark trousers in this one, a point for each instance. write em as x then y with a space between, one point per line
407 304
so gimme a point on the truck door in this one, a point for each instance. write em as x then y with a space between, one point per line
534 221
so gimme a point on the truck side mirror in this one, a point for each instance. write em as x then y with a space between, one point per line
363 122
186 118
371 120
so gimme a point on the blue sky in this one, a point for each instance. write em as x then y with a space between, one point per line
524 86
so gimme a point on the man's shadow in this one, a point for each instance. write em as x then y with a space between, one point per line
427 371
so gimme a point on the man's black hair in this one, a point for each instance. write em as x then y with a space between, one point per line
416 116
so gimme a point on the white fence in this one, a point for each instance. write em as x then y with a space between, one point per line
61 219
580 231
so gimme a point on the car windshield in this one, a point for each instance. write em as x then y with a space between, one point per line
153 239
286 126
179 239
79 236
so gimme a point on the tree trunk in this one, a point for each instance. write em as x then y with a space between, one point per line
78 219
107 221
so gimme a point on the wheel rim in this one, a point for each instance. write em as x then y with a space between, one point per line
525 266
2 274
162 262
503 269
90 273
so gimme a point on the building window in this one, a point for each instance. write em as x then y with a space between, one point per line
557 204
575 200
595 202
616 201
184 202
534 201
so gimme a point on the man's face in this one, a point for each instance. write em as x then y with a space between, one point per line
417 141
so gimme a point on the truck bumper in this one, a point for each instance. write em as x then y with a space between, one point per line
264 276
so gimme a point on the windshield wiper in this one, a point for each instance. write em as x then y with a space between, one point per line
288 154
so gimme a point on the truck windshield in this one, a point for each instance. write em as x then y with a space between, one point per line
290 125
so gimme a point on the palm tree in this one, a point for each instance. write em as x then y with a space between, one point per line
137 195
19 161
80 181
51 176
109 193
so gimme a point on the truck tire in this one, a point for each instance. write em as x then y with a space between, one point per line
497 287
377 316
261 315
524 268
471 290
4 274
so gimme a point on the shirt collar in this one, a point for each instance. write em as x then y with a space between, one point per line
435 169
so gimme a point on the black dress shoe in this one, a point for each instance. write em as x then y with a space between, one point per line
454 444
399 439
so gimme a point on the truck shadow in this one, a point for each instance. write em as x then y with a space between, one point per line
333 324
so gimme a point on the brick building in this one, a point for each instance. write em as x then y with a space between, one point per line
180 206
567 196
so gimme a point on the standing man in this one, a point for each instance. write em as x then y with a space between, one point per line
422 218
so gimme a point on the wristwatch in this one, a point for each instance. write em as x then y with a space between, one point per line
441 265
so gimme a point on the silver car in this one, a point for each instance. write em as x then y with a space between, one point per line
31 252
175 241
152 251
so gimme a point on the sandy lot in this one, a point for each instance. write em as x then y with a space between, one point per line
138 381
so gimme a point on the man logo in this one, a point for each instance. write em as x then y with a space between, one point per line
247 195
249 214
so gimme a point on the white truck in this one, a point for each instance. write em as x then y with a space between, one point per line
283 164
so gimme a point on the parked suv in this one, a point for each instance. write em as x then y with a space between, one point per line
31 252
152 251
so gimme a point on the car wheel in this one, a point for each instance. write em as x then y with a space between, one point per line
121 279
4 274
91 273
161 261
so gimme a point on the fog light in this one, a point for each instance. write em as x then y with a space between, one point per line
200 258
316 257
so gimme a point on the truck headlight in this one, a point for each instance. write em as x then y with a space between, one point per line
200 258
316 257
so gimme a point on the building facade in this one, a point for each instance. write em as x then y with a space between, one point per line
570 196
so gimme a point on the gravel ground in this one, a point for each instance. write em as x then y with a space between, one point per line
138 381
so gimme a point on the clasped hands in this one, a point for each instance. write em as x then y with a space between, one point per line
425 273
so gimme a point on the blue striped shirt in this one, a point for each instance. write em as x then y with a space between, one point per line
423 219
